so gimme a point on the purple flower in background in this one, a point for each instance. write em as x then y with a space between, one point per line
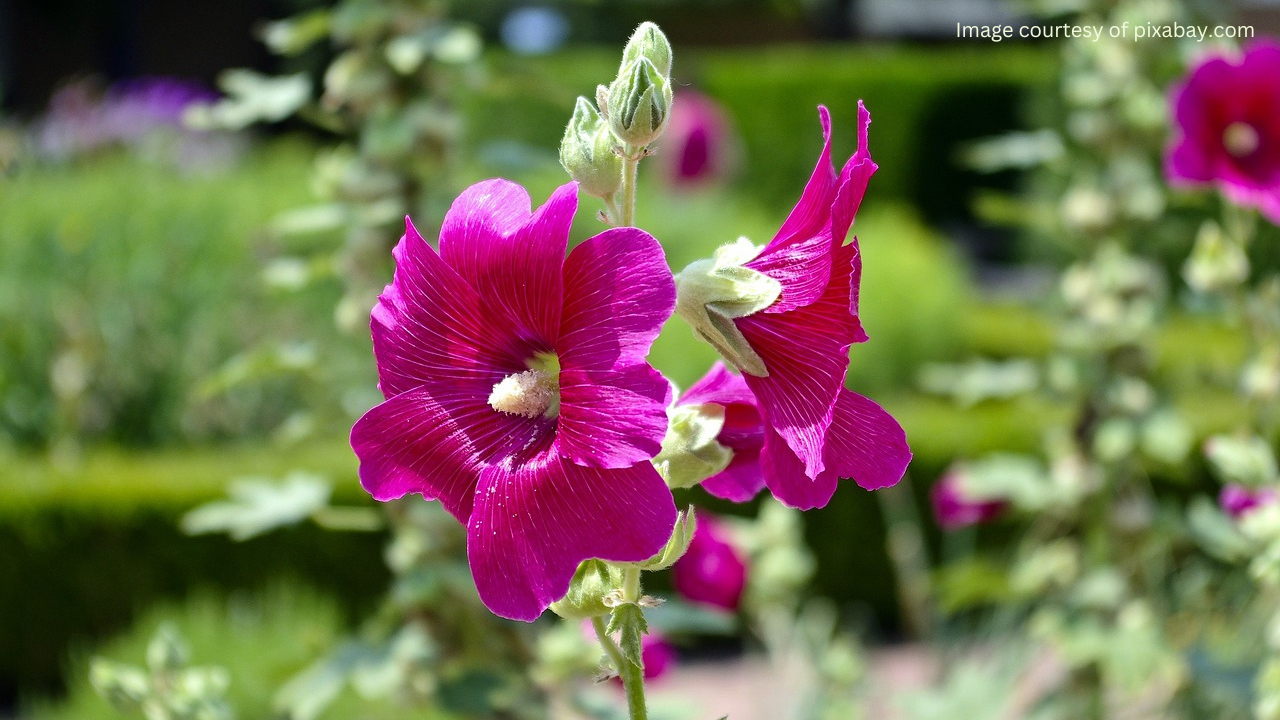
743 432
518 394
81 119
1239 500
1227 128
816 431
954 508
698 146
711 571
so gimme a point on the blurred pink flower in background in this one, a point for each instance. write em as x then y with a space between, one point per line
699 146
712 572
658 655
954 508
1226 117
1238 500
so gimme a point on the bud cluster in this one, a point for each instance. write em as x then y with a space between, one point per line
632 113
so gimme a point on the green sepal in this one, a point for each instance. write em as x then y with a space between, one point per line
593 580
639 103
587 152
681 536
711 293
628 622
650 43
690 452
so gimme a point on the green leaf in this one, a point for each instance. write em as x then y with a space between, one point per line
296 34
308 693
629 623
258 505
1215 532
125 687
682 618
251 97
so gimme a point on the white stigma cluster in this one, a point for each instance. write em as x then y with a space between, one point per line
528 394
1240 139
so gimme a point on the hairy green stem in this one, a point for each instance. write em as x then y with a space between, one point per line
630 163
632 675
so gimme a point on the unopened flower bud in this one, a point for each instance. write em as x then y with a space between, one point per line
649 42
690 453
593 580
125 687
639 103
587 152
167 651
1216 263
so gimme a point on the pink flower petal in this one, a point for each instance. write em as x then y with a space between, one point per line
864 444
511 257
533 523
741 481
612 418
806 352
799 255
436 443
854 177
786 477
618 293
429 323
720 386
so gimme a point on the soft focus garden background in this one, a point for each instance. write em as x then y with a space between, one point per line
183 307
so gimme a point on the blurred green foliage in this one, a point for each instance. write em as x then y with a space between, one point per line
922 102
264 637
125 284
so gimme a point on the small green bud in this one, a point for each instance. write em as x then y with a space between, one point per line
681 536
593 580
648 42
125 687
711 293
1247 460
166 652
1216 263
587 152
690 453
639 103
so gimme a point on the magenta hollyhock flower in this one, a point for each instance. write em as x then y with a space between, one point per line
954 508
657 654
743 432
698 146
711 570
815 430
1238 500
518 394
1227 127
